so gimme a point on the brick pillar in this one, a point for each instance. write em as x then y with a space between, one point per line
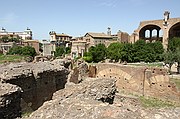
165 37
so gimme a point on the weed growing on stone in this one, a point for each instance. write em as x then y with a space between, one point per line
26 114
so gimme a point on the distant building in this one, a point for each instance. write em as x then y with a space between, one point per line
60 39
123 37
26 35
97 38
157 30
82 44
32 43
4 47
48 48
78 48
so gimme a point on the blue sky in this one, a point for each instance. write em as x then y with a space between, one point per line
76 17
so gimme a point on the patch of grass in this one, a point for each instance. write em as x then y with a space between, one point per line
177 82
26 114
155 103
10 58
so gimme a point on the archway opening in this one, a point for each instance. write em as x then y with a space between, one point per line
151 33
147 34
174 31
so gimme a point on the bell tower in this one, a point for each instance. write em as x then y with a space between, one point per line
52 35
109 31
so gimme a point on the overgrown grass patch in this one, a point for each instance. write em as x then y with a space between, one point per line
10 58
156 103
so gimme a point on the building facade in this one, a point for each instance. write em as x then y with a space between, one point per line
158 30
82 44
4 47
32 43
48 48
78 48
60 39
25 35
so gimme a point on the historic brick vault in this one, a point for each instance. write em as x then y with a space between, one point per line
158 30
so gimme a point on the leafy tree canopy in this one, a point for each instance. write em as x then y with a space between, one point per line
29 51
114 51
59 51
26 50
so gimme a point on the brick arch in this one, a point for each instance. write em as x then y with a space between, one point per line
150 27
124 81
174 30
159 79
160 25
113 73
172 23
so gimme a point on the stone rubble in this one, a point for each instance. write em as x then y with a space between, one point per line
92 99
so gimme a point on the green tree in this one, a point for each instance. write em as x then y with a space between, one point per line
59 51
173 44
158 50
67 50
28 51
169 59
148 52
114 51
96 53
88 57
140 53
177 59
128 52
15 50
99 53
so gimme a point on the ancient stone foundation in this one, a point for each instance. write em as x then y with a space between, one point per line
38 82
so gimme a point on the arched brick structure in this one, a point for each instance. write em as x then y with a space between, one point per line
139 80
170 28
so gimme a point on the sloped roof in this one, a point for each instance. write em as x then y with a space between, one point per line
63 35
98 35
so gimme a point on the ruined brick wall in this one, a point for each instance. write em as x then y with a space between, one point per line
79 73
140 80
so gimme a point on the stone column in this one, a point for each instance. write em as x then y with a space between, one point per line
158 33
150 33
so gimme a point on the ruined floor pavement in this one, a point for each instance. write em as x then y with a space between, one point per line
98 99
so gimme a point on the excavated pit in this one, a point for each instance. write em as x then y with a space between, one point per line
37 81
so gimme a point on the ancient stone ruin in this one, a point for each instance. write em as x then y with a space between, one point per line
52 90
26 86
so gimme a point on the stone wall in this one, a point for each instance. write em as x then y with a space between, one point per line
79 72
139 80
38 81
10 99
